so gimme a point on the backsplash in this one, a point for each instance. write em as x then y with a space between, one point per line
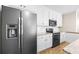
42 29
55 29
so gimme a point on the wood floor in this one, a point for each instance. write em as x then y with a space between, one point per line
56 50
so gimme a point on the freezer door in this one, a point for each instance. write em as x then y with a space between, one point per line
10 17
29 39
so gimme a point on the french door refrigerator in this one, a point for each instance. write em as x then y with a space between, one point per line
18 31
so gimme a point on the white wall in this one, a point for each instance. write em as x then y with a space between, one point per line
69 22
77 21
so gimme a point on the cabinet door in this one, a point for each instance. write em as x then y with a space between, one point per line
46 17
48 41
59 20
42 16
51 14
39 16
62 37
39 19
44 42
40 43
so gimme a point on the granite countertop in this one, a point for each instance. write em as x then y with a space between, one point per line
73 48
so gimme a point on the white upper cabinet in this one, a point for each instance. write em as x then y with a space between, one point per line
52 14
42 16
46 17
56 16
59 20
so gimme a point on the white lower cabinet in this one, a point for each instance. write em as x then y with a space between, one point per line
44 42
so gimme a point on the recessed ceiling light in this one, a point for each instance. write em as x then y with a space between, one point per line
22 6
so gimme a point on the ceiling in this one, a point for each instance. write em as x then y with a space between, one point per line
63 8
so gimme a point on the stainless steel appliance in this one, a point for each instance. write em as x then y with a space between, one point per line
56 39
52 23
49 30
18 31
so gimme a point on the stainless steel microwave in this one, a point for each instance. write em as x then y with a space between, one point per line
52 23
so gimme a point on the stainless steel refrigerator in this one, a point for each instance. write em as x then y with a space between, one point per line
19 35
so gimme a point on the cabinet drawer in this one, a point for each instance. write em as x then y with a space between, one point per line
44 42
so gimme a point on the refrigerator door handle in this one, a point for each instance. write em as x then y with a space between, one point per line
22 26
19 32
